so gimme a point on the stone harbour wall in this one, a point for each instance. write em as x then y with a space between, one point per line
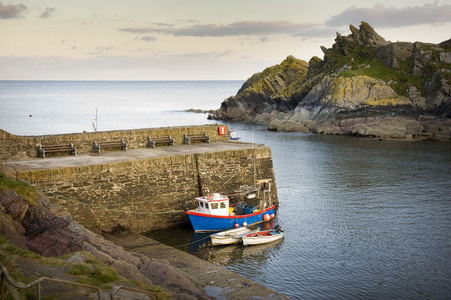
149 194
13 147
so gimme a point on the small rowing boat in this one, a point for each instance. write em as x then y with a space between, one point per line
262 237
231 236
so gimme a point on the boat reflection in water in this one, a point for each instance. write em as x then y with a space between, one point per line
201 245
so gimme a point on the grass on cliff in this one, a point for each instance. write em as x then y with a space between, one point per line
28 193
92 272
96 274
398 79
362 60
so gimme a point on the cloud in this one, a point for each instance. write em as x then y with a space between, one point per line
224 54
46 13
12 11
233 29
148 38
101 50
389 17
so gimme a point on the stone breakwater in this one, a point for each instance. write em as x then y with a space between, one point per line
140 195
143 189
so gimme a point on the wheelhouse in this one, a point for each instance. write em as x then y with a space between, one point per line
213 205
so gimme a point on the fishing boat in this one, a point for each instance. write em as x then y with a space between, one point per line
232 236
262 237
233 135
214 213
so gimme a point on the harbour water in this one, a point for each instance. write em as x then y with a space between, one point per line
363 219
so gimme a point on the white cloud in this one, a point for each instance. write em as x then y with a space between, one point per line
391 17
232 29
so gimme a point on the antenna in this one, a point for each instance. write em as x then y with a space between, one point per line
253 155
95 126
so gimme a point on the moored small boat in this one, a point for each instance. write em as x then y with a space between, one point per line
262 237
234 135
231 236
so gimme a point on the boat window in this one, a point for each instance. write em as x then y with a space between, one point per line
214 205
206 205
201 204
223 204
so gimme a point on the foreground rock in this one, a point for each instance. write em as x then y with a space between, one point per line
33 224
365 86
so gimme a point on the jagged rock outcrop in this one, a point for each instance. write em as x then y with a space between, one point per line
363 79
50 231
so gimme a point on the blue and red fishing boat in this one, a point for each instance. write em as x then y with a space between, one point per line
214 213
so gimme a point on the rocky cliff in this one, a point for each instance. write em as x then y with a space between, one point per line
364 86
54 245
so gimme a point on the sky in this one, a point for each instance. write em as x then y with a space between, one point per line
192 39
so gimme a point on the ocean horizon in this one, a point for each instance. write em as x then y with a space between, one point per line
41 107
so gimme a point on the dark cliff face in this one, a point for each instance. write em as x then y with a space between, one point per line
361 76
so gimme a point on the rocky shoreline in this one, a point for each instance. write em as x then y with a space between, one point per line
364 86
39 239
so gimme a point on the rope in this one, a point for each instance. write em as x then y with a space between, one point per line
248 158
101 207
179 246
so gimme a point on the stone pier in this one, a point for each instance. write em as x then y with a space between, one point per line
143 188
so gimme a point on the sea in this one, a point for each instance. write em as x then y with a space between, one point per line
363 218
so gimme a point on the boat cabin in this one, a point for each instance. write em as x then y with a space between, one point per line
213 205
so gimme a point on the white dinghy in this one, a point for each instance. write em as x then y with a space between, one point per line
262 237
232 236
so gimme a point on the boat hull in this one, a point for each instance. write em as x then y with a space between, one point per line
231 236
261 237
204 223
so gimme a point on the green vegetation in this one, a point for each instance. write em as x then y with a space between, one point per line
92 272
96 274
397 79
29 193
280 80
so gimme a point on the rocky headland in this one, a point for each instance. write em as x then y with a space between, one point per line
364 86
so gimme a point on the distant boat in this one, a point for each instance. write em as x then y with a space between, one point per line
262 237
234 135
232 236
213 212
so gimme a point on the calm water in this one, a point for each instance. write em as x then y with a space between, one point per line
364 219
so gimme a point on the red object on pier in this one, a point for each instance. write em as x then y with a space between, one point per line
222 130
